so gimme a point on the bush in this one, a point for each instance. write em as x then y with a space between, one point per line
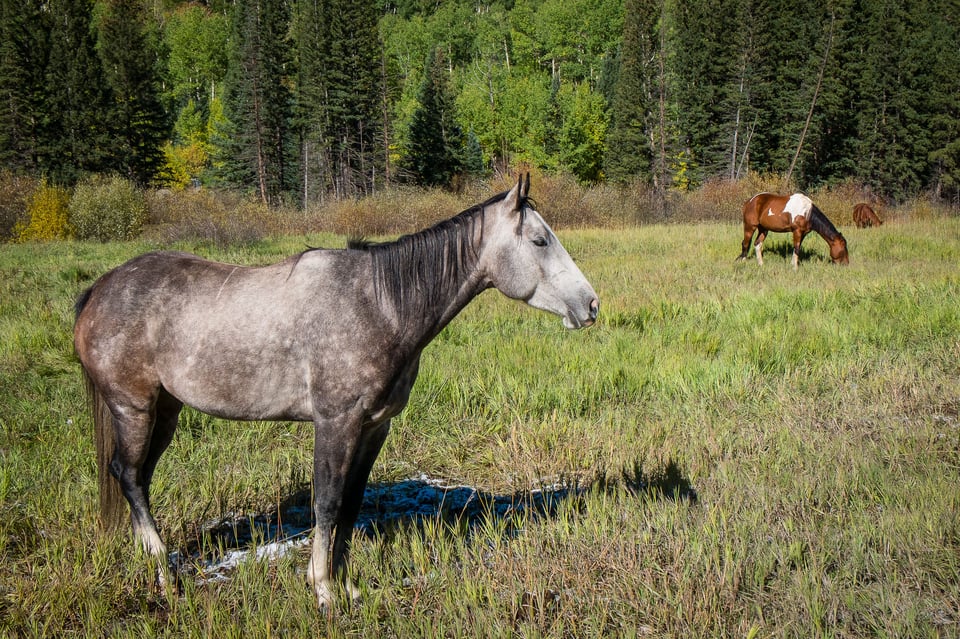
398 210
46 216
107 208
220 218
837 200
15 194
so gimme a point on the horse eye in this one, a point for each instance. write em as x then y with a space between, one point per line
539 241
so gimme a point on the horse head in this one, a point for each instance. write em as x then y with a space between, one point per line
838 250
524 260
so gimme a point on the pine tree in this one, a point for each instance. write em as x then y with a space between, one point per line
634 110
313 57
472 157
354 90
255 146
942 104
704 56
24 47
553 127
797 87
74 135
889 65
435 137
140 124
340 95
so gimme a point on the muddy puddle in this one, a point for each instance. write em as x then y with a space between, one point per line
269 536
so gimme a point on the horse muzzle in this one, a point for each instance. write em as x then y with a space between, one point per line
572 321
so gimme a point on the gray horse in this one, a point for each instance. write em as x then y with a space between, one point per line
328 336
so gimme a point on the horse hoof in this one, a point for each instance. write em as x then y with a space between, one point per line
168 583
325 602
353 592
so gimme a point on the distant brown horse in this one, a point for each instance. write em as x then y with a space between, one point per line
795 214
863 216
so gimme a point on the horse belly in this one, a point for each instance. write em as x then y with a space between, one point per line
776 222
241 388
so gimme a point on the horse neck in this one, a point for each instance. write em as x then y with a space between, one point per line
425 279
823 226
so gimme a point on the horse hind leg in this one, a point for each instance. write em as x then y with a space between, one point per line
758 246
165 424
141 437
745 245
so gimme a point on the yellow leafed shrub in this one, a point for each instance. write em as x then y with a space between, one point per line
47 216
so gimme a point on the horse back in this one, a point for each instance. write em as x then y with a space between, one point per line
864 216
241 342
766 210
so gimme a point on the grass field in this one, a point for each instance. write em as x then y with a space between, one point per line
730 452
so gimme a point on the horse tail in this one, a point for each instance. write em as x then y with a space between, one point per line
111 497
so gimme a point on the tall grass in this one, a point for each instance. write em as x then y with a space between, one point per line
740 451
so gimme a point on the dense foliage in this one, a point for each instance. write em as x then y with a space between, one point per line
305 99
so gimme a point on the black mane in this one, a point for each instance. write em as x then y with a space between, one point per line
412 272
822 225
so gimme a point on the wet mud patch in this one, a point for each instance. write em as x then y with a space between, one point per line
223 544
267 536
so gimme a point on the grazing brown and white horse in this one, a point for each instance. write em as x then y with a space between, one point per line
863 216
795 214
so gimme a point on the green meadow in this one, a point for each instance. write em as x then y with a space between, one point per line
732 451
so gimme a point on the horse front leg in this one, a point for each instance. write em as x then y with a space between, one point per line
335 443
798 236
370 444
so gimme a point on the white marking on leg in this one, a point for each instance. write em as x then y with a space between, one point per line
759 249
154 546
152 543
353 591
318 571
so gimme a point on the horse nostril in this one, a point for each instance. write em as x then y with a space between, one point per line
594 308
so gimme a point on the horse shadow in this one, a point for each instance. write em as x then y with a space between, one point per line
785 250
389 508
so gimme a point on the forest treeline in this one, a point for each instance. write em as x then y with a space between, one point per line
303 100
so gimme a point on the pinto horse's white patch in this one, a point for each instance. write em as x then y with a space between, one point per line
798 205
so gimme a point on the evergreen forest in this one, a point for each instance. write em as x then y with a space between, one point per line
298 101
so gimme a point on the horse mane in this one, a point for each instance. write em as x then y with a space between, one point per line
822 225
411 272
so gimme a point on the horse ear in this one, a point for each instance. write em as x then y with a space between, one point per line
525 190
515 196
